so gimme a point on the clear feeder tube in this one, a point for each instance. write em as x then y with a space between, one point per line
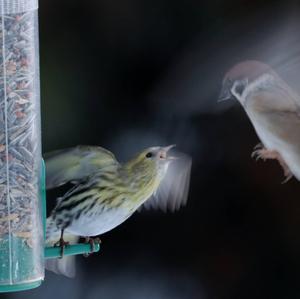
21 229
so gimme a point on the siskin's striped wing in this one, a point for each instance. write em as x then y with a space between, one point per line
172 192
76 164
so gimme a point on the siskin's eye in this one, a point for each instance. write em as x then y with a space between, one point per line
149 155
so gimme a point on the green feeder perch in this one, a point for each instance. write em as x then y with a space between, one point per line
22 191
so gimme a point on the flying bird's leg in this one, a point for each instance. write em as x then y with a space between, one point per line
257 146
262 153
92 242
61 242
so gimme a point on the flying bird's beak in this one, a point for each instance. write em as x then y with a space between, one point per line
225 93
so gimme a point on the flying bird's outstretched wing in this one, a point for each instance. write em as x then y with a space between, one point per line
274 94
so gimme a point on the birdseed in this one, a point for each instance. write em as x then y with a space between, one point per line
19 127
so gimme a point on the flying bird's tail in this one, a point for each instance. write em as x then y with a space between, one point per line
66 264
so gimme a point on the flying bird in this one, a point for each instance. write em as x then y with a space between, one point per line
105 192
272 107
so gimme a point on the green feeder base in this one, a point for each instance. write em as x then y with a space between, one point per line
20 287
19 263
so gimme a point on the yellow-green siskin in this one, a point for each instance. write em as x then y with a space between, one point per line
106 193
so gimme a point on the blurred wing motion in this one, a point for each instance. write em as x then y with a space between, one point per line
281 96
172 192
76 164
66 264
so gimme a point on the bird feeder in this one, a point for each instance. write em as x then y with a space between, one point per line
22 196
21 229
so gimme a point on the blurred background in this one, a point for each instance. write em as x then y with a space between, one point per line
130 74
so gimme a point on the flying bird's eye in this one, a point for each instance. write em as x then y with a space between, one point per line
240 87
149 155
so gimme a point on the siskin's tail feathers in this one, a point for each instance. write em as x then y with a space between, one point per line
66 264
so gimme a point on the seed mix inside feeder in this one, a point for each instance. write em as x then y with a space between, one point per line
21 230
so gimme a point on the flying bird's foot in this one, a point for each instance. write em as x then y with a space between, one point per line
262 153
258 146
286 171
62 244
92 242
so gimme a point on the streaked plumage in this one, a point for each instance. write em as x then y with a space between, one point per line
106 192
273 108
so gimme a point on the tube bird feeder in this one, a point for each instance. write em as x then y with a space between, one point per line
22 179
21 229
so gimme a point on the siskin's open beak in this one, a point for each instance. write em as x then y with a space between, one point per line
164 151
167 148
